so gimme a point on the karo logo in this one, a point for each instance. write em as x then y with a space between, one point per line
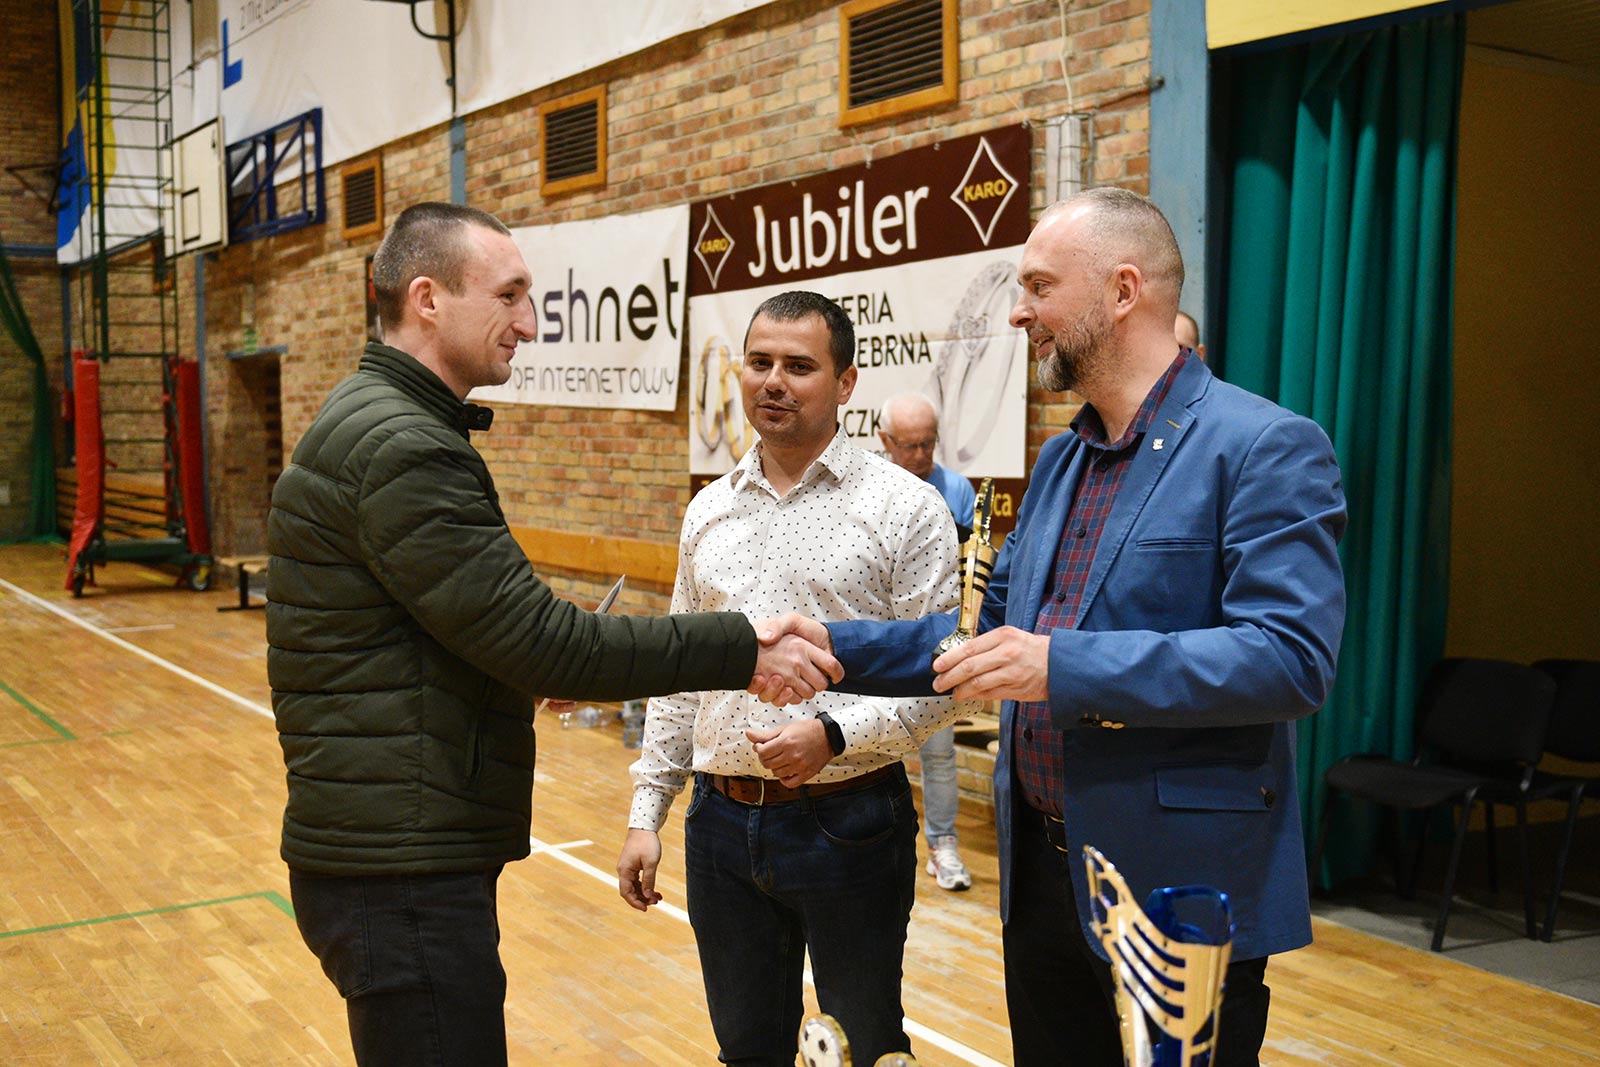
713 246
985 190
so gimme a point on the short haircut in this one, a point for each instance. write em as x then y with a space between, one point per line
1193 325
428 240
798 304
1129 228
886 421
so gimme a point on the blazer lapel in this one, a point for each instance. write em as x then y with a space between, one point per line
1159 444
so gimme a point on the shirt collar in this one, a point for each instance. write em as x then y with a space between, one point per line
836 461
1091 430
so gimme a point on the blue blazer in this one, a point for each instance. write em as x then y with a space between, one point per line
1211 620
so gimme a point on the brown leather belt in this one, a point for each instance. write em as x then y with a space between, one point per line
760 791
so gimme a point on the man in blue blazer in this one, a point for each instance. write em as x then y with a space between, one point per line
1170 601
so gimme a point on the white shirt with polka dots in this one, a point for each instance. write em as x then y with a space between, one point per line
856 538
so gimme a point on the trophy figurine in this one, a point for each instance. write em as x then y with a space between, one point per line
1167 964
823 1044
977 564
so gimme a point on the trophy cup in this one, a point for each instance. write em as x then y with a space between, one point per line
977 564
823 1044
1167 968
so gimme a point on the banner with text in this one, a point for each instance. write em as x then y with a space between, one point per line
608 302
921 251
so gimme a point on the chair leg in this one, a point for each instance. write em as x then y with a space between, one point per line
1527 871
1407 879
1488 844
1449 890
1561 862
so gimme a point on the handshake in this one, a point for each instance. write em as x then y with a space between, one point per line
795 660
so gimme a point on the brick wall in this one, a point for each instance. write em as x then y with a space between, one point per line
29 134
751 100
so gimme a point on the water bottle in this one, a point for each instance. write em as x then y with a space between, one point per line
633 724
583 718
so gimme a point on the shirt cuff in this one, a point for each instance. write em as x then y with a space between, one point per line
649 810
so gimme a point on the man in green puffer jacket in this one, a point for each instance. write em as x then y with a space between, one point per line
407 639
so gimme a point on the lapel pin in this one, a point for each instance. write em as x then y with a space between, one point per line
1174 425
1156 445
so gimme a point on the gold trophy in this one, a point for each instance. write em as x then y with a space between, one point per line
1168 961
977 565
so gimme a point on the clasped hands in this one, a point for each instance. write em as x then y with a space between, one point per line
796 662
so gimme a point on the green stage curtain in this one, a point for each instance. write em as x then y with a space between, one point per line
1338 306
42 510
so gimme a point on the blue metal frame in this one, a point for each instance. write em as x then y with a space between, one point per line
257 159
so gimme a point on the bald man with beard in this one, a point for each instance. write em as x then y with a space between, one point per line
1170 602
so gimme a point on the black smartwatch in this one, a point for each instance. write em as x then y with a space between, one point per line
835 734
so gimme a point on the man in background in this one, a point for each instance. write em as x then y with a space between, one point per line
1187 332
407 637
909 429
801 834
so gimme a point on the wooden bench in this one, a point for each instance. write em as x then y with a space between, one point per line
135 505
244 567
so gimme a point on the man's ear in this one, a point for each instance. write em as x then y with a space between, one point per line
847 383
421 297
1127 286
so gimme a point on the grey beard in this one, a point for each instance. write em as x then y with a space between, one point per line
1053 374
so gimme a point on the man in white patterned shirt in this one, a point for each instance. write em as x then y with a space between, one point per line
801 832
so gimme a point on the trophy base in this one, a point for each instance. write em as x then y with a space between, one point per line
956 639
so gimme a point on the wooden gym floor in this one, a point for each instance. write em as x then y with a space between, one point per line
144 915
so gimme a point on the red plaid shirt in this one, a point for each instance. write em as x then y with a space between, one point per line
1040 767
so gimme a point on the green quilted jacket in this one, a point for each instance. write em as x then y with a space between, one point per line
407 638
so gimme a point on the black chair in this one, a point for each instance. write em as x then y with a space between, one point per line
1483 723
1574 735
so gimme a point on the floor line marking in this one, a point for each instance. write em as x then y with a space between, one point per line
543 848
248 705
275 899
913 1028
140 629
66 734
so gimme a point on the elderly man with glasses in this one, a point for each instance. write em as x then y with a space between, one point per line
909 429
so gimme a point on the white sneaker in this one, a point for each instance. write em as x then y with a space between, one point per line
945 865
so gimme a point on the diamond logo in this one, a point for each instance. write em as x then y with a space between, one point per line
985 190
713 246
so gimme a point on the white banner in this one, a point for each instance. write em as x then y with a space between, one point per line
936 327
608 297
375 78
511 47
378 80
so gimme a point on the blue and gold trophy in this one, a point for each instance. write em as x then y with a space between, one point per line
978 556
1168 960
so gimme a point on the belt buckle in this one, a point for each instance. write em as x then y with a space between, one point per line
761 798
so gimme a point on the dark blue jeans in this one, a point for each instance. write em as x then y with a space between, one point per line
836 875
1058 991
417 960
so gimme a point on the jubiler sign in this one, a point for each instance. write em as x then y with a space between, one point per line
608 311
921 251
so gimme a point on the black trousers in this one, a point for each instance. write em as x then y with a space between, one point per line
1059 993
417 960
